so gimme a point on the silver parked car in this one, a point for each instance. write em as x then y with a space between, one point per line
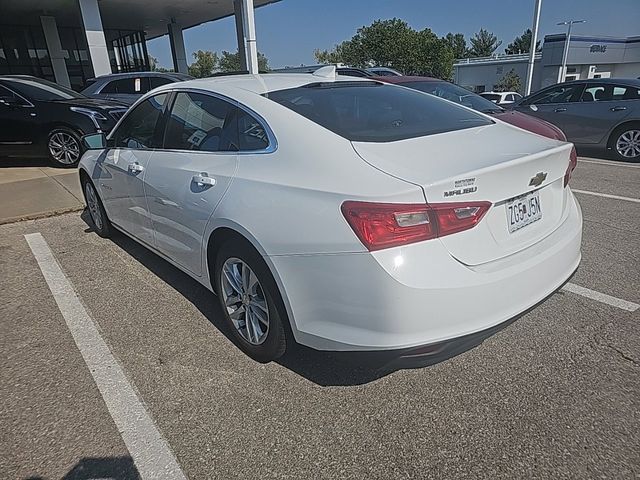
601 113
128 87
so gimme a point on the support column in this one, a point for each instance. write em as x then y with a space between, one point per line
237 10
51 37
178 52
248 33
95 37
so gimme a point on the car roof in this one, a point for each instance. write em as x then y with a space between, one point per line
112 76
407 79
259 84
628 81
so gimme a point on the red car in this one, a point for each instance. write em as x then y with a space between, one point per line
455 93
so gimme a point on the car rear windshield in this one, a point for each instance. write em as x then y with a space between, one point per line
42 90
491 96
374 111
456 94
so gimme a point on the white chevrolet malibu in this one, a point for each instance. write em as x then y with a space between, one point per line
342 214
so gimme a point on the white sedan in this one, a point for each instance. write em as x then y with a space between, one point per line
343 214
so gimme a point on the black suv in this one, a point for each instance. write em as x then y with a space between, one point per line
40 118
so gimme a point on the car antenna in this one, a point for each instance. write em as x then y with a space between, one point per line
326 72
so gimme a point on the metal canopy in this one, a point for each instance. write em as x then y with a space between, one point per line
152 16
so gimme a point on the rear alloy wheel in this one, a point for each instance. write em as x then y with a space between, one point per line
626 144
245 301
101 223
250 301
64 148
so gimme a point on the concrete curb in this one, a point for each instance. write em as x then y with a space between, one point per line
36 216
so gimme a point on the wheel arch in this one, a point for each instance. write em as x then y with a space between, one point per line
614 130
222 232
226 230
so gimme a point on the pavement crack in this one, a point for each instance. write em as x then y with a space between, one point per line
624 355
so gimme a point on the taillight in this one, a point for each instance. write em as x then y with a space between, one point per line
573 163
385 225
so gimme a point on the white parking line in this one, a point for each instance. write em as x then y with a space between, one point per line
611 164
606 195
149 450
601 297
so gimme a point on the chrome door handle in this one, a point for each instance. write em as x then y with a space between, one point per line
203 178
617 109
561 109
135 167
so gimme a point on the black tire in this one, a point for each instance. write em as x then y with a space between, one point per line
64 148
101 225
630 129
274 343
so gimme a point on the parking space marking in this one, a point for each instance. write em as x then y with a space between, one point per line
601 297
150 451
610 164
606 195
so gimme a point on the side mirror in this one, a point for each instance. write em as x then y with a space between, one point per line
94 141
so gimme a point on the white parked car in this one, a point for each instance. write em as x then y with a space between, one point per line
343 214
502 98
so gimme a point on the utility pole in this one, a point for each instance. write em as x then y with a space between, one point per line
563 70
532 48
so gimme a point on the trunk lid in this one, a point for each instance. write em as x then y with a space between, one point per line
495 163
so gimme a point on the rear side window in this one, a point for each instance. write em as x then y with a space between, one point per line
158 81
9 95
201 123
560 94
251 133
136 86
376 112
139 128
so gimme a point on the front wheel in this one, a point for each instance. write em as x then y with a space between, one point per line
626 143
101 223
64 147
250 301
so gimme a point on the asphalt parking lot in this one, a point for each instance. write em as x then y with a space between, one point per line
556 394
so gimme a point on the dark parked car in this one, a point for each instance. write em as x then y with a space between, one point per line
128 87
40 118
602 113
456 93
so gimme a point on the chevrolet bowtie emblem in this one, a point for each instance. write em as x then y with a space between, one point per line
538 179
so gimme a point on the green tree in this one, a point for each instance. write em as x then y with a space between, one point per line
457 44
153 63
393 43
484 44
206 63
510 82
521 44
230 62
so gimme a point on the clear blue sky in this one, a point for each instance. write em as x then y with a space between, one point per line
290 30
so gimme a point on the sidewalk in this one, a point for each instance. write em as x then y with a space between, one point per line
28 192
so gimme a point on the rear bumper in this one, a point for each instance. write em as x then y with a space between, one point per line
405 297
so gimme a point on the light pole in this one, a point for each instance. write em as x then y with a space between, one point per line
565 53
532 48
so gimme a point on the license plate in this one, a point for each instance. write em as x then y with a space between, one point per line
523 211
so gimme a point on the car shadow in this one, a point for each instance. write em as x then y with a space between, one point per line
321 368
12 162
114 468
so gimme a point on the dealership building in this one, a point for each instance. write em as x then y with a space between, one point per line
588 57
71 41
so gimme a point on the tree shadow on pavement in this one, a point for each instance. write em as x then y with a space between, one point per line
114 468
321 368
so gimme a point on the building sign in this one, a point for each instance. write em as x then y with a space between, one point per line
598 49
